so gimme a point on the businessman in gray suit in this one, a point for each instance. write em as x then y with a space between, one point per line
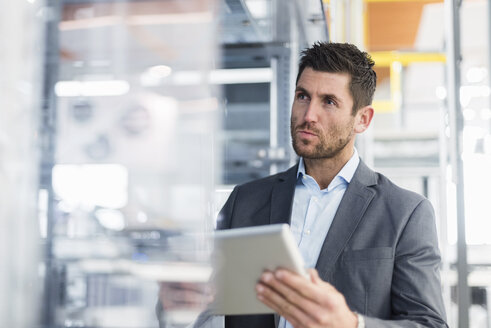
373 245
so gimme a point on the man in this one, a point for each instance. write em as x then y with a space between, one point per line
373 244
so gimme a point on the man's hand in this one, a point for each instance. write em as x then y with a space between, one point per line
305 302
184 295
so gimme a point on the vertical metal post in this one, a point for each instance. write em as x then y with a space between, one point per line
488 305
273 113
286 84
443 210
278 35
280 87
47 133
292 69
454 59
488 290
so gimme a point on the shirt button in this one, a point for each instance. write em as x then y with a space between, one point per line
307 232
314 199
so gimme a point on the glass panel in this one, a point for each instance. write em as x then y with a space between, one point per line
132 145
21 37
133 172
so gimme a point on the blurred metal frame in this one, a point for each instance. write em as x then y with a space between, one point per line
454 59
47 131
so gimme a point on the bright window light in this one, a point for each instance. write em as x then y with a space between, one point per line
441 92
110 219
91 88
222 76
471 134
90 185
469 114
187 78
476 74
160 70
43 212
468 92
259 9
477 177
154 75
486 113
141 217
241 75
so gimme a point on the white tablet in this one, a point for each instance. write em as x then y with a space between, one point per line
242 255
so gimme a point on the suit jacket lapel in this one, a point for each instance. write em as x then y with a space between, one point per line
282 196
350 212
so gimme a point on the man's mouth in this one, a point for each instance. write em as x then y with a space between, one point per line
307 133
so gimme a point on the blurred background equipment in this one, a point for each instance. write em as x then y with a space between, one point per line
128 168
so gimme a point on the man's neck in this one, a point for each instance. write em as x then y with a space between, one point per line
324 170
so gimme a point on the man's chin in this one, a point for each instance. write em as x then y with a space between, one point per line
306 153
313 153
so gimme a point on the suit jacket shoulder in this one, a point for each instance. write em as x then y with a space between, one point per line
259 202
391 203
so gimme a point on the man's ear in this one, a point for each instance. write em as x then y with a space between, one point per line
363 118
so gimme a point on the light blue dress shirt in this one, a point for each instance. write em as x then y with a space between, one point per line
313 211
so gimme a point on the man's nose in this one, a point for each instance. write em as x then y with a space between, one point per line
312 112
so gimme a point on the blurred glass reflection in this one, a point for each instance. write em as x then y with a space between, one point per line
133 168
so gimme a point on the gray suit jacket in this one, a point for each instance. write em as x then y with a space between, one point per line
381 251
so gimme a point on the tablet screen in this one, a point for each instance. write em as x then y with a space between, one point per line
242 255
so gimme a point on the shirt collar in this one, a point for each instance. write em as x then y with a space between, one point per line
346 172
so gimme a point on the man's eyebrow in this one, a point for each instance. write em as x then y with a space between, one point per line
299 88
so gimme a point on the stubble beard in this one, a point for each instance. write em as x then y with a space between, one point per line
328 146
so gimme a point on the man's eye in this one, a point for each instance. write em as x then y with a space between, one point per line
301 96
329 102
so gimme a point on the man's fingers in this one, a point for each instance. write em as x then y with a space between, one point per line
294 296
175 295
307 302
308 289
284 290
282 306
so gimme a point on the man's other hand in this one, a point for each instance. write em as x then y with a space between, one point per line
184 295
305 302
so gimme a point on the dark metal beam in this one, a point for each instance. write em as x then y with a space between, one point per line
47 132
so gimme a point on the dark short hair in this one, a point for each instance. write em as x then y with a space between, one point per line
343 58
